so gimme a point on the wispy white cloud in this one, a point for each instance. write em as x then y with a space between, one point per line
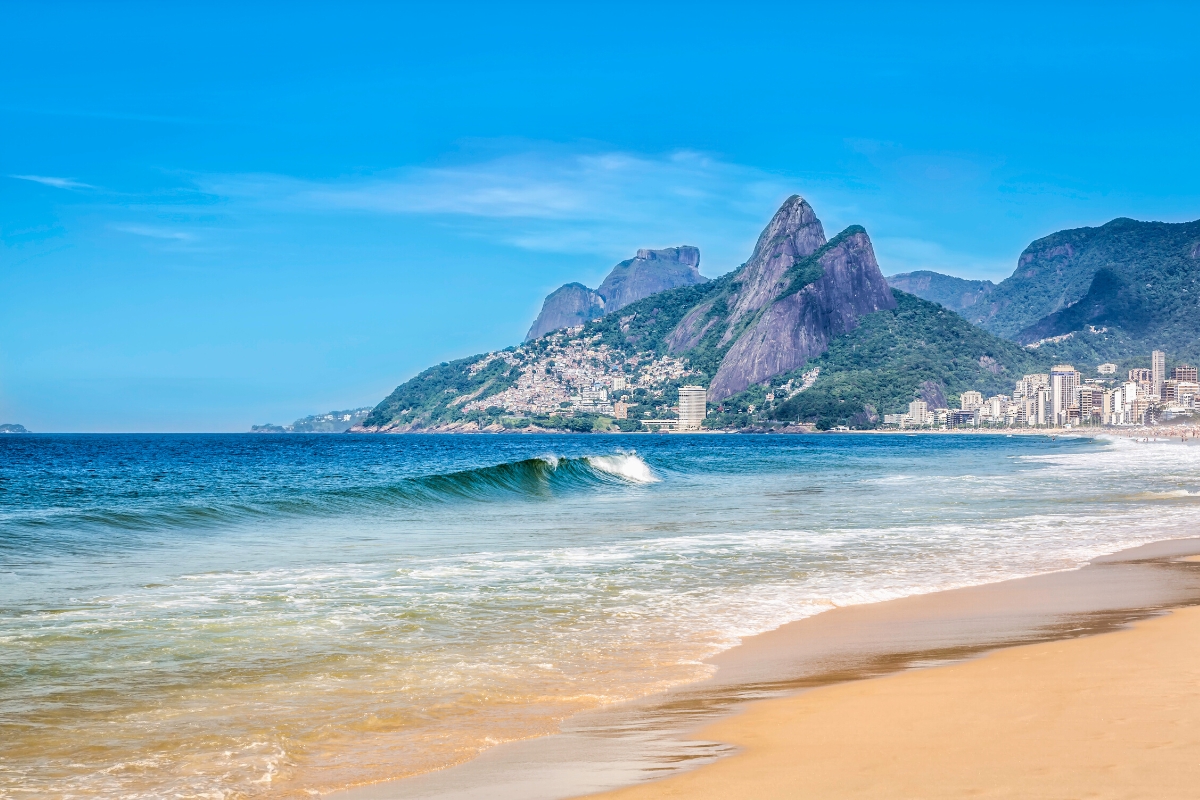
58 183
155 233
599 202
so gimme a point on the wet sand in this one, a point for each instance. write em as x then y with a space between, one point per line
1111 716
863 736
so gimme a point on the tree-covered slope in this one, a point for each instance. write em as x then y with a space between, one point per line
429 398
1161 260
919 349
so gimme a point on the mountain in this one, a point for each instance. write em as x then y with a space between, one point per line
784 305
914 349
567 306
332 422
796 295
647 273
1111 300
956 294
1158 261
650 272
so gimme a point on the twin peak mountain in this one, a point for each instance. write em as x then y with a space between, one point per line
781 308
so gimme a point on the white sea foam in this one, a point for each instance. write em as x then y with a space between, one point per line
627 466
506 621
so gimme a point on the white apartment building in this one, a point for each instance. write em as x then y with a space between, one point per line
693 407
1045 406
1063 381
970 400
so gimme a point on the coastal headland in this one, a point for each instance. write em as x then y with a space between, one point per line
1068 684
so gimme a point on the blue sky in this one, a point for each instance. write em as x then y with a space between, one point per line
213 216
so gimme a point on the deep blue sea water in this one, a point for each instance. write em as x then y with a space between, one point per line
239 615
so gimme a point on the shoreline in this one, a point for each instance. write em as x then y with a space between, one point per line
641 748
786 429
1113 715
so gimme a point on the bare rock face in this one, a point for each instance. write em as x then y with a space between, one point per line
647 273
567 306
792 234
650 272
799 325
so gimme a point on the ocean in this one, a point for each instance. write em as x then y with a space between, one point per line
220 616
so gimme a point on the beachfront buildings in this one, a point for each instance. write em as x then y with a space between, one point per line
1064 398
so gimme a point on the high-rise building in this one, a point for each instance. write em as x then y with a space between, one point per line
917 412
1107 369
970 400
1063 382
1183 372
693 407
1045 406
1158 372
1091 403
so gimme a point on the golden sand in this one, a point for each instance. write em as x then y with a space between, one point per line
1109 716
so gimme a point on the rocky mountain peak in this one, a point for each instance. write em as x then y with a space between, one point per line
567 306
652 271
792 234
649 272
686 254
798 322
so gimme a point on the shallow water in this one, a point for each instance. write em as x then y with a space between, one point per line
222 616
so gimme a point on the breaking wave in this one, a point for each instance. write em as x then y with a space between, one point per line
533 478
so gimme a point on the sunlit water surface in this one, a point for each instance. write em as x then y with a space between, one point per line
227 616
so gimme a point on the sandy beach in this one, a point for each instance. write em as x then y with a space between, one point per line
1115 715
1080 683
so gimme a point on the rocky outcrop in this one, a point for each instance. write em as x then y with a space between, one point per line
647 273
650 272
798 325
567 306
792 234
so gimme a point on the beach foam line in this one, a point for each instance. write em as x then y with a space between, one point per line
1110 716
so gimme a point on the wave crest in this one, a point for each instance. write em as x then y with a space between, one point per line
624 465
542 477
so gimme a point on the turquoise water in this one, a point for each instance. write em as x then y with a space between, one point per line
225 616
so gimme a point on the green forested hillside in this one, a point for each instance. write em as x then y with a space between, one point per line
1160 260
425 399
896 356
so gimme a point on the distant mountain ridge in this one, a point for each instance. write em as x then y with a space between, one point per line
1125 285
647 273
331 422
956 294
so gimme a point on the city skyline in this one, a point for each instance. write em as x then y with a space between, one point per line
1063 398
